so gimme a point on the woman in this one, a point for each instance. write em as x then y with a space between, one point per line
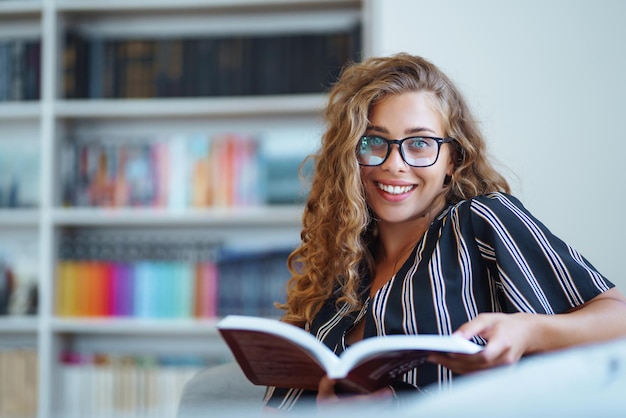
409 229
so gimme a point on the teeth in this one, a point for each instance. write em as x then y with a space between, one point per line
394 189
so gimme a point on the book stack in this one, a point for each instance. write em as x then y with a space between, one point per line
124 385
20 75
18 382
96 67
165 279
175 172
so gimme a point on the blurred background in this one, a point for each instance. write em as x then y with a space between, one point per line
151 151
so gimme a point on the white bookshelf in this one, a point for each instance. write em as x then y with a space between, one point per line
18 8
288 118
263 216
267 106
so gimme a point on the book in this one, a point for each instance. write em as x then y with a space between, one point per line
274 353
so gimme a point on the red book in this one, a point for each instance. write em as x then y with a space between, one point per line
207 290
274 353
107 288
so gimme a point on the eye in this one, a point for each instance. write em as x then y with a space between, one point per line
418 143
373 143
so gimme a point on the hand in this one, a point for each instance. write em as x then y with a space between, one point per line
508 339
327 398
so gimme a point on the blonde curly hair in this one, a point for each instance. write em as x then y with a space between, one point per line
338 227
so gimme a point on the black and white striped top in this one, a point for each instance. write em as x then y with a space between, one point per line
486 254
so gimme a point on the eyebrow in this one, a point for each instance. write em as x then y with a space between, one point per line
410 131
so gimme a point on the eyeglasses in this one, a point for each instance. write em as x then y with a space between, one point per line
416 151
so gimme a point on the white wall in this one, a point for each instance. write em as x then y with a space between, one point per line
547 81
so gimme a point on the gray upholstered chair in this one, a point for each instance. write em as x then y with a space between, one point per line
579 382
218 391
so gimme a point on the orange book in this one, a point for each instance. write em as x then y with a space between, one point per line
92 285
83 285
98 289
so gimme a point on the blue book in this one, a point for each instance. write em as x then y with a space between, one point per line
144 289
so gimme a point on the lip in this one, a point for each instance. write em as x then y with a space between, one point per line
400 183
391 197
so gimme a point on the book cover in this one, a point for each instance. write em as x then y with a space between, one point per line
274 353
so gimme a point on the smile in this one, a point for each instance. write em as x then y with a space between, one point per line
394 189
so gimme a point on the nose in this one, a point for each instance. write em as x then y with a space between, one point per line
394 161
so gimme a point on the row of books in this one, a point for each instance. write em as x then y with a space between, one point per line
20 74
96 67
167 281
124 386
18 382
175 172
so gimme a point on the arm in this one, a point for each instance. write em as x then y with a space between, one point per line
328 399
510 336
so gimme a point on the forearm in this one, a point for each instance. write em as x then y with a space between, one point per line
511 336
601 319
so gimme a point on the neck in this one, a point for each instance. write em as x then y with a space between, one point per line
396 239
397 242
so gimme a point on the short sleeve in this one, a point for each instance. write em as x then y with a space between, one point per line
536 271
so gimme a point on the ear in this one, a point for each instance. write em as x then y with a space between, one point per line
451 166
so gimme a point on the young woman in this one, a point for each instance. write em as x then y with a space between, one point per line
409 229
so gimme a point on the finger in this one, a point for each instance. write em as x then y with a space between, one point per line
326 388
476 326
381 394
460 363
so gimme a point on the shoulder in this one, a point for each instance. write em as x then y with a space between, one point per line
491 202
493 210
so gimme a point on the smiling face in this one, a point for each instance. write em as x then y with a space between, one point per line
395 191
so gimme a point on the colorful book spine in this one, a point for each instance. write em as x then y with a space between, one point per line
175 172
171 281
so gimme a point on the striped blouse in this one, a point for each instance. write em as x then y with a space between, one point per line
486 254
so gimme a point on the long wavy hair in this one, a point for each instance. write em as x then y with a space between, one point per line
338 227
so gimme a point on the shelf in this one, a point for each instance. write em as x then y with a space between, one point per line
191 107
20 7
286 125
18 324
266 216
19 217
87 6
135 326
19 110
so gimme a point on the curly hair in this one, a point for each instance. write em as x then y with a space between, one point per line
338 227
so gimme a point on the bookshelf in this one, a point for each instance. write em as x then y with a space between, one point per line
20 24
285 122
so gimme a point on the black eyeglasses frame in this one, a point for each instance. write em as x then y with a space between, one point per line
399 142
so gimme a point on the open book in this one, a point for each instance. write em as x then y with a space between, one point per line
274 353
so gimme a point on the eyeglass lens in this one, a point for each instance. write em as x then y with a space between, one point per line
417 151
